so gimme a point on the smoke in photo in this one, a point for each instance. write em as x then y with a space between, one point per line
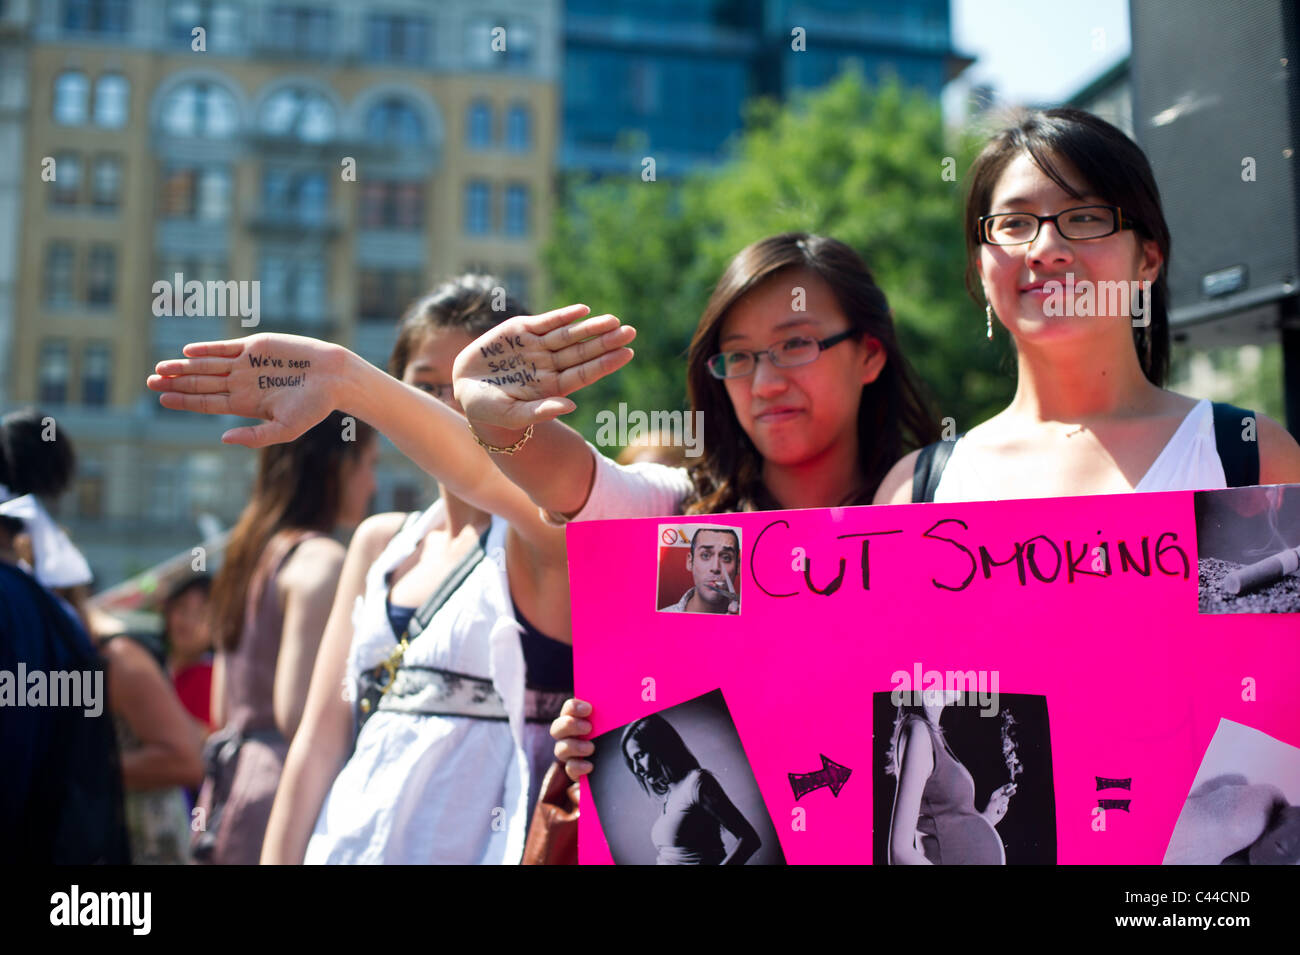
1248 543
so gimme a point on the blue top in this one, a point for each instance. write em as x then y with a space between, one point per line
399 618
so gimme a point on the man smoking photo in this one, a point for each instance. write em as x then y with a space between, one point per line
712 562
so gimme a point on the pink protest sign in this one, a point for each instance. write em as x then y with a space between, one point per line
1020 682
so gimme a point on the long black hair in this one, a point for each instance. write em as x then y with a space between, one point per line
670 759
894 416
1112 166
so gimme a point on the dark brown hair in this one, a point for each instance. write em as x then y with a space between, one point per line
671 760
465 302
893 417
299 486
1113 167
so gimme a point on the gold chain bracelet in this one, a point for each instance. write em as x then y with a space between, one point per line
493 449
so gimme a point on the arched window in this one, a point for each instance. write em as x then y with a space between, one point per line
200 109
112 100
296 113
395 122
71 92
478 125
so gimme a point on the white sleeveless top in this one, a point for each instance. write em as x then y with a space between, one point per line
438 789
1189 462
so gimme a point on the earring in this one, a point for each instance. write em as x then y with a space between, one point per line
988 312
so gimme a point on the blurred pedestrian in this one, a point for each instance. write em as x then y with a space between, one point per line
270 603
61 801
187 639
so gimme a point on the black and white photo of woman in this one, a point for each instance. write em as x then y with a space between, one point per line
695 809
934 821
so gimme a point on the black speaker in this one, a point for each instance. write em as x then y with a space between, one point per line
1215 108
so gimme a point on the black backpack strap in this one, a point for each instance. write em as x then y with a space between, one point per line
929 469
1236 439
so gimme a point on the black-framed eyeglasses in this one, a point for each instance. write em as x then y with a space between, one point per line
787 354
1081 222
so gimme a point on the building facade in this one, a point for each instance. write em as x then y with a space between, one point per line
344 156
15 16
670 79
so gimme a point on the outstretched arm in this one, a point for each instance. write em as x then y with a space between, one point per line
292 383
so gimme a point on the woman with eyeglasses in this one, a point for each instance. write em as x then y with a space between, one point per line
1068 243
795 364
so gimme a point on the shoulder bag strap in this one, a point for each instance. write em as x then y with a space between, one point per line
1239 454
929 469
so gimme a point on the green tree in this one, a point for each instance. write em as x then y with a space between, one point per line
863 164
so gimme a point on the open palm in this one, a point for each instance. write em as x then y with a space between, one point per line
286 380
522 371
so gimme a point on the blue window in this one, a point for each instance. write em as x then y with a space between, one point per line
96 16
397 39
112 100
478 125
517 216
71 96
302 31
395 122
60 276
221 21
478 208
200 109
53 372
301 197
519 128
301 114
96 369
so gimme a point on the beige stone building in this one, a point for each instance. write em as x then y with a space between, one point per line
344 155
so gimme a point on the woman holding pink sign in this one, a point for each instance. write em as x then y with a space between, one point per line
1068 244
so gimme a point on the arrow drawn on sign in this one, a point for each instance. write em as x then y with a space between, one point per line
831 774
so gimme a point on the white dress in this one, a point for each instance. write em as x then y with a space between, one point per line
438 789
1189 462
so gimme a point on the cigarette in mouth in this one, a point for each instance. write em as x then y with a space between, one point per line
730 591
